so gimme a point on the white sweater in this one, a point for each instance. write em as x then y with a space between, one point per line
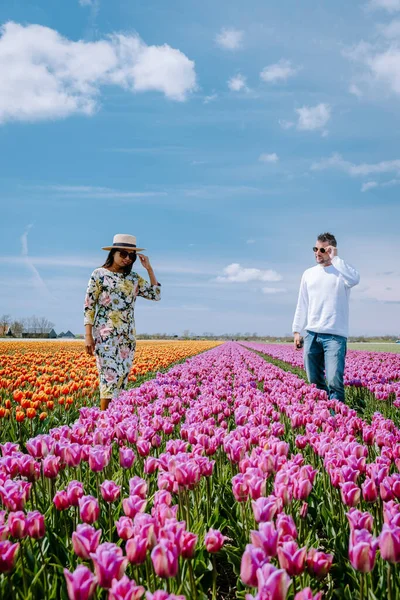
323 303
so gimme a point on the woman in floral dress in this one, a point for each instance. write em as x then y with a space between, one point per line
109 313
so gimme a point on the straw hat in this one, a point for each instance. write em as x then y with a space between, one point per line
124 241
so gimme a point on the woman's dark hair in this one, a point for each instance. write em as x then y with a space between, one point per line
110 261
327 237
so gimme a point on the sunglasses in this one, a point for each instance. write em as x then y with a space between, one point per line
322 250
125 254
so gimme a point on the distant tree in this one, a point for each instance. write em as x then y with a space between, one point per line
5 322
17 328
186 334
44 325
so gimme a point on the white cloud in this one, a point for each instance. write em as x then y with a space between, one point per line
270 291
250 241
391 30
312 118
88 191
269 158
210 98
389 5
235 273
230 39
355 90
37 280
285 124
237 83
47 76
369 186
363 169
86 2
280 71
381 63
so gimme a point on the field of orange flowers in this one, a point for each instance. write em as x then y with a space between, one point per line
47 382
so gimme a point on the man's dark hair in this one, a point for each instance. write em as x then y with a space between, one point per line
327 237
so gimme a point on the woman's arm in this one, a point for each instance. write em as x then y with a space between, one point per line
92 295
152 290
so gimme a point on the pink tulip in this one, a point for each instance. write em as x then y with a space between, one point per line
369 490
71 455
162 595
89 509
286 526
61 501
17 525
265 509
99 457
214 540
74 492
125 528
110 491
133 505
292 558
35 525
137 487
51 466
126 457
143 447
125 589
136 550
319 563
307 594
389 543
4 532
29 467
266 538
350 493
273 583
164 557
187 544
362 550
8 552
252 559
81 584
85 540
109 563
360 520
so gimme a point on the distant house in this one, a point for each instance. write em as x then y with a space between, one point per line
52 334
68 335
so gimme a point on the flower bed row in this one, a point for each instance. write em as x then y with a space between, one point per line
44 381
378 372
224 459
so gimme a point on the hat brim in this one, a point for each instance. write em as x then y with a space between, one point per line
128 248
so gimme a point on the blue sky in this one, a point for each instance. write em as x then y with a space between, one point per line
224 136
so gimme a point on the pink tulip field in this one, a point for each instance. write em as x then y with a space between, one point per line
225 477
369 376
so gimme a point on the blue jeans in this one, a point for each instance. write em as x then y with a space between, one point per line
324 357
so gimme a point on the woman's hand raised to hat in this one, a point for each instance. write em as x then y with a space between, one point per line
145 261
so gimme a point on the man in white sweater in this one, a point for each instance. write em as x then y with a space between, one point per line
323 313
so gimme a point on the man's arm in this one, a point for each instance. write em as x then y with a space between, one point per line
350 275
300 316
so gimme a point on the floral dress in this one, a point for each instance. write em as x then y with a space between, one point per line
109 307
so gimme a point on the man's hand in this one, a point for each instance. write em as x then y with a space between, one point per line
332 251
297 341
145 261
89 344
